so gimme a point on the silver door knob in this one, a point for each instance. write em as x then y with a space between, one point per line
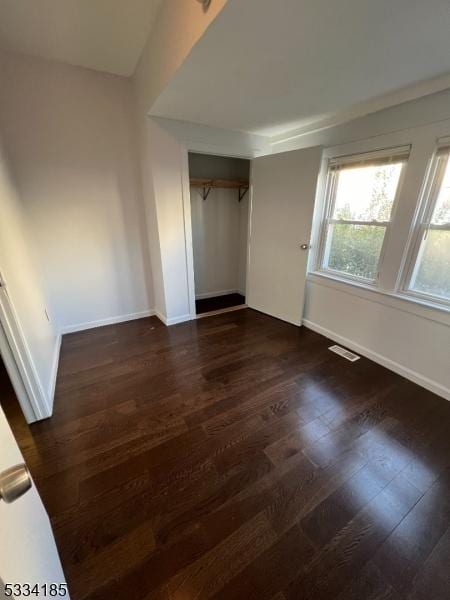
305 246
14 482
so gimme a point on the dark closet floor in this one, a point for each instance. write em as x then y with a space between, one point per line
236 457
218 303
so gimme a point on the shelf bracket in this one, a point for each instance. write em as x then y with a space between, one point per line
204 192
242 192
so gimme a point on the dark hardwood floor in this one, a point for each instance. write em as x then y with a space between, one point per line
236 457
218 302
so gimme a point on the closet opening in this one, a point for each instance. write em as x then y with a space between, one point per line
219 195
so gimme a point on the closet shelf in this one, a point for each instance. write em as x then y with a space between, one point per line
206 185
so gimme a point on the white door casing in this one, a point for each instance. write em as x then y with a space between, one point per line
18 362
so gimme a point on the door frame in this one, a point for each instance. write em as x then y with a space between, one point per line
186 194
189 248
18 362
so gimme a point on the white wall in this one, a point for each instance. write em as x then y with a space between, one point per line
416 347
423 111
164 198
23 278
216 237
178 26
413 343
163 159
215 141
71 136
148 195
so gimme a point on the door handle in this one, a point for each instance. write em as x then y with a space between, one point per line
14 482
305 246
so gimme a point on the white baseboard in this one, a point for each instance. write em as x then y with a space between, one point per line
172 320
205 295
176 320
421 380
108 321
54 373
161 317
281 316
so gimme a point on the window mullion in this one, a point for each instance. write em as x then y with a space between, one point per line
404 215
433 195
330 197
436 181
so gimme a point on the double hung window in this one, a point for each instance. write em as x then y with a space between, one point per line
360 196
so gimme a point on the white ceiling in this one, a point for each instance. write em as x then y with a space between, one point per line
271 66
106 35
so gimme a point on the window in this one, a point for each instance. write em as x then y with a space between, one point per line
430 272
361 191
385 228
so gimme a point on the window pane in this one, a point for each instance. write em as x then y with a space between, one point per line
441 212
354 249
366 193
433 272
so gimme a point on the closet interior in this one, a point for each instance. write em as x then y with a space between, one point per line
219 190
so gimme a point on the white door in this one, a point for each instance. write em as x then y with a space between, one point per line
282 205
28 554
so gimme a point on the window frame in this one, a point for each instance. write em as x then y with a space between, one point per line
422 224
329 200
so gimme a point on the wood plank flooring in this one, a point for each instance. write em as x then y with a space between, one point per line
236 457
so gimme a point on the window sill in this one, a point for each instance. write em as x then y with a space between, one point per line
398 301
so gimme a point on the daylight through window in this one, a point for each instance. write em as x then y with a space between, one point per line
360 197
431 263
